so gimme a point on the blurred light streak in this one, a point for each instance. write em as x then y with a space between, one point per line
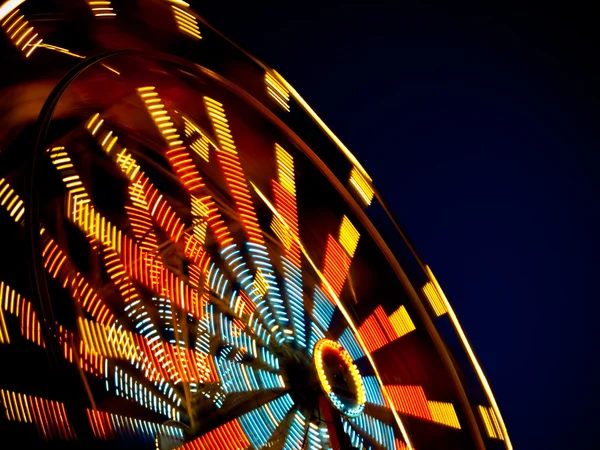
318 120
11 201
335 268
12 302
49 416
491 423
277 91
109 342
284 193
101 8
411 400
435 299
471 354
401 322
362 186
108 426
381 433
295 435
349 236
443 413
186 22
261 423
229 436
201 144
19 32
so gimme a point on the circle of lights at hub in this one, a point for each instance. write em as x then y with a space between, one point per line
339 377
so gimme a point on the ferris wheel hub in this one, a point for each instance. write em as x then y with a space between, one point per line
339 377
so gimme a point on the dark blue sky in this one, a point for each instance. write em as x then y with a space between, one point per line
480 126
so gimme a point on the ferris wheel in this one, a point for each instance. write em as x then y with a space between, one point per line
193 260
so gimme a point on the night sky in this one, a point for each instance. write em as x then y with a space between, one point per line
480 126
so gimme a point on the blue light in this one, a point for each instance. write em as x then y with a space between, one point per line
258 424
349 342
382 433
373 391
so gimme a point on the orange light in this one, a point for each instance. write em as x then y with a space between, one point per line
335 267
229 436
49 416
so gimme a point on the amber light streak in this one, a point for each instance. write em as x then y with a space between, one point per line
49 416
363 187
107 341
201 143
435 299
471 354
186 22
229 436
12 302
348 318
20 33
277 91
492 425
101 8
11 201
324 127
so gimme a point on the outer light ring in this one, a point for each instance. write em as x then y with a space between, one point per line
346 409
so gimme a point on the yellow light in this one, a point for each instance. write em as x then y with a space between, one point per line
471 354
361 185
443 413
401 321
186 22
260 283
277 91
435 299
348 236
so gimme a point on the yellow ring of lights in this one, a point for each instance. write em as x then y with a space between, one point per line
348 410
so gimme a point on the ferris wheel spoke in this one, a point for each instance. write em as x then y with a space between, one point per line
238 186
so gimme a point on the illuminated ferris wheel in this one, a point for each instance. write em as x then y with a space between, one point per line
193 260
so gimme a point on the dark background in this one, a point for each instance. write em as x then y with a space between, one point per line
480 126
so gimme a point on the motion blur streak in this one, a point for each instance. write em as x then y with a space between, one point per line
324 127
474 361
